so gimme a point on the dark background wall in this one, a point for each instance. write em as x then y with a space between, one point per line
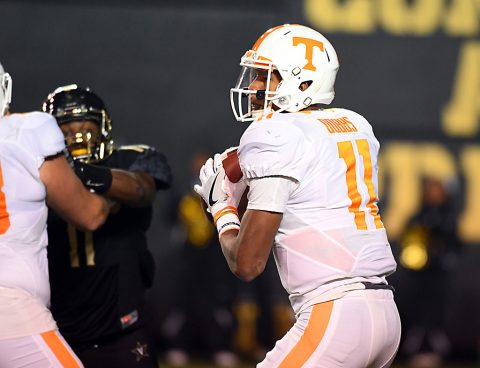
164 69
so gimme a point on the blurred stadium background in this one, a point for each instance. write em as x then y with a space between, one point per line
164 69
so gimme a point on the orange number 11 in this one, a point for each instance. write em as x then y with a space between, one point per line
347 153
4 218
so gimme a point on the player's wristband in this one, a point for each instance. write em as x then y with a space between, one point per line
227 219
96 178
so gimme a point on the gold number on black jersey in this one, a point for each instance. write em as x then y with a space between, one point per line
89 249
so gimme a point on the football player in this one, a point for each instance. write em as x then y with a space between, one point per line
99 278
313 192
34 173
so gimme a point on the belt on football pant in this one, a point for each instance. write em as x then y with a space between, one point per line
372 286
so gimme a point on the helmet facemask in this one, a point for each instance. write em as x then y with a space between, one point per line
241 95
88 145
83 144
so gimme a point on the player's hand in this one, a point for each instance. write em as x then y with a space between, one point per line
234 191
219 157
221 199
96 178
210 187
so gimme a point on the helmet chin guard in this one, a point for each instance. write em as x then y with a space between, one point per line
306 62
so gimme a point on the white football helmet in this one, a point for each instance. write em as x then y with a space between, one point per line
5 91
301 55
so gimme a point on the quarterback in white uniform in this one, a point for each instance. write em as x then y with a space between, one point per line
312 176
34 172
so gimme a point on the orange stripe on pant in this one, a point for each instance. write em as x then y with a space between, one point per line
59 350
311 338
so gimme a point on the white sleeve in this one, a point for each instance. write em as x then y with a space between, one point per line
275 148
42 136
270 193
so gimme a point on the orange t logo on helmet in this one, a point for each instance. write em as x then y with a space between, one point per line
309 45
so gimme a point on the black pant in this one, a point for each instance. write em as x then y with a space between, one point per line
131 349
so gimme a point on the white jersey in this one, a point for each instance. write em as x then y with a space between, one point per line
25 141
331 237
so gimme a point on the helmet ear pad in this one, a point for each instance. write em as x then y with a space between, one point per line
308 87
293 102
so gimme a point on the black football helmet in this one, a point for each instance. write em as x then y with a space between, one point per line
72 103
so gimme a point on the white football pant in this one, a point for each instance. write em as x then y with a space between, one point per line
45 350
359 330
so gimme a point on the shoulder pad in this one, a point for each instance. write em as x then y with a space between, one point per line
41 134
273 149
149 160
135 147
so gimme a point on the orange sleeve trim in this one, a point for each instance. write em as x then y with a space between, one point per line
311 338
59 349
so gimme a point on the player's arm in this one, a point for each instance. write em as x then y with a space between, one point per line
67 196
246 247
247 250
272 156
135 187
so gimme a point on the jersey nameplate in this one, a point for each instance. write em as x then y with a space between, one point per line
339 125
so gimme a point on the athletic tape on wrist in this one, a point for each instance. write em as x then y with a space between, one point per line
227 222
224 211
226 219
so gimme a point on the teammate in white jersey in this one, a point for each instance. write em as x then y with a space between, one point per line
312 177
34 173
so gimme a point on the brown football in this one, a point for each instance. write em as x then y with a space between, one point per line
232 166
234 173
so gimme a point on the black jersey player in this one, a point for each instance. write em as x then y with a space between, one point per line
99 278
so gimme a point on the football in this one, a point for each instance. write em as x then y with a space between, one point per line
232 169
234 173
232 165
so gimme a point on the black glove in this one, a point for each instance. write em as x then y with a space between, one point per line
96 178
